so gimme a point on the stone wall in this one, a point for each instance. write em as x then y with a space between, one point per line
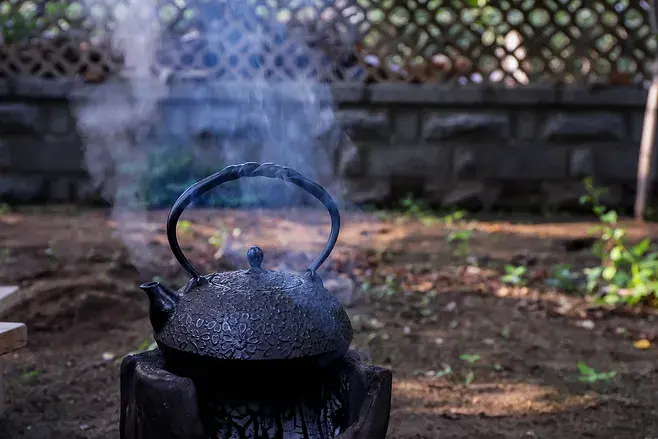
488 146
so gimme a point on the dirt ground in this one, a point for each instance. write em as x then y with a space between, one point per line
417 308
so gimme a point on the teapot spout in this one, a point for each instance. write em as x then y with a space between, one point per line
163 302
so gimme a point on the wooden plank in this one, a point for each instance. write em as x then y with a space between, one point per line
9 296
13 336
2 389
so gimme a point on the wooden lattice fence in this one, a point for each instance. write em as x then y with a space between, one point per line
513 42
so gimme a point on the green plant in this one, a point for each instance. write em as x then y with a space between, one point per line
627 273
461 238
589 375
564 278
514 275
184 226
4 208
147 345
447 370
454 216
418 209
470 359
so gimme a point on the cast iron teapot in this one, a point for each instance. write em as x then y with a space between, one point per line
253 314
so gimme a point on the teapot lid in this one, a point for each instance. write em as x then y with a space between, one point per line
256 314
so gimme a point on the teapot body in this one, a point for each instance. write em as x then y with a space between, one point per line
254 319
257 315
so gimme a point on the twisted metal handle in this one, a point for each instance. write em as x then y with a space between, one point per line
251 169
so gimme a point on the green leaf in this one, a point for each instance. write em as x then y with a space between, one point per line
609 272
641 248
615 253
587 378
585 369
610 217
618 233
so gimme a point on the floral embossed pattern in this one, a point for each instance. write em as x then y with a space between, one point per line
257 315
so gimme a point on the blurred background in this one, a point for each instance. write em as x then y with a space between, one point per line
485 155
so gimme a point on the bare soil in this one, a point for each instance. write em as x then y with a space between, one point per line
418 307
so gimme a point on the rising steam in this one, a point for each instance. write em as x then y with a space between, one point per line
228 113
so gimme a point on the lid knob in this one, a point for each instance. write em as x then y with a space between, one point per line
255 257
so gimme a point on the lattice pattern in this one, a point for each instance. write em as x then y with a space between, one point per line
515 42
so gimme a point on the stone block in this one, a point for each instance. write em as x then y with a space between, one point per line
406 123
613 96
408 161
440 94
366 190
21 188
527 124
18 118
464 164
588 127
60 189
527 95
637 125
32 154
466 126
562 194
617 163
343 93
475 194
581 163
365 125
59 120
521 162
35 87
5 154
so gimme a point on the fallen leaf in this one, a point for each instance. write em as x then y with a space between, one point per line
424 287
642 344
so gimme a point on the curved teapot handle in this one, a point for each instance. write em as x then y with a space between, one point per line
251 169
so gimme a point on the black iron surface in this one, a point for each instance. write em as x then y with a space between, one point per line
253 314
349 401
257 314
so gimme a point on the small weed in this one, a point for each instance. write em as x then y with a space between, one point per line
386 289
447 370
147 345
589 375
461 238
418 209
506 332
391 285
184 226
4 208
563 278
454 217
627 273
31 373
471 359
514 275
